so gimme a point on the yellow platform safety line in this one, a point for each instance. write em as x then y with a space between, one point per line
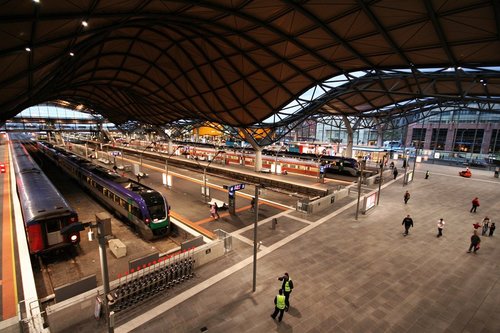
9 278
193 225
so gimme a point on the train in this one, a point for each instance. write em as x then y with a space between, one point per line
144 208
46 213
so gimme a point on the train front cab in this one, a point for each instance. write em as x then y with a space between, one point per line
45 235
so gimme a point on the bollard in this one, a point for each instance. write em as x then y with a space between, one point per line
274 222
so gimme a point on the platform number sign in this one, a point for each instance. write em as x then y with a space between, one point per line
233 188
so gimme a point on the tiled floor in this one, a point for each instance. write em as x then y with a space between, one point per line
355 276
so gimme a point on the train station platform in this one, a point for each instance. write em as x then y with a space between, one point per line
350 275
9 270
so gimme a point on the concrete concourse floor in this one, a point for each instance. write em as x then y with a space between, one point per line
356 276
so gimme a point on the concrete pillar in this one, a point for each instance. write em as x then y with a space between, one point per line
428 136
170 147
380 136
449 137
350 137
488 131
258 159
197 134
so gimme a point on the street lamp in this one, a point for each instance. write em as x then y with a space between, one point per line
361 169
256 219
276 160
205 173
381 177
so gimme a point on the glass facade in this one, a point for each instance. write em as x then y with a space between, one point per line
418 137
438 140
494 147
468 140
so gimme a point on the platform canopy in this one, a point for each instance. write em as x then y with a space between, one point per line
242 62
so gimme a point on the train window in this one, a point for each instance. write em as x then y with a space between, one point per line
53 225
117 199
136 212
123 203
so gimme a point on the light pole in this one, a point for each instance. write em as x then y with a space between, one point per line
205 173
381 177
256 218
361 169
276 160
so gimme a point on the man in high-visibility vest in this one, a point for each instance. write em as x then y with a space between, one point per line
279 305
287 287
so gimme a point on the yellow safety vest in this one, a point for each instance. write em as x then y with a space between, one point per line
287 286
280 302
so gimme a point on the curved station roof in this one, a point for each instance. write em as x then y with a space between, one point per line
241 62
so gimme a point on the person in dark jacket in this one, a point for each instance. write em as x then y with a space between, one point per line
475 204
407 222
395 172
475 240
406 197
492 229
287 287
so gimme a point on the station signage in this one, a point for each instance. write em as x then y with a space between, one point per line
233 188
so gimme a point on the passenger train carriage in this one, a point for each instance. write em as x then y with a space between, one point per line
45 211
140 205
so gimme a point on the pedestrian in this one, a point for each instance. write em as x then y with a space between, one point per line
287 287
427 174
138 178
279 305
486 225
475 242
391 165
404 163
476 225
406 197
252 203
395 172
213 211
475 204
440 226
492 229
216 209
408 222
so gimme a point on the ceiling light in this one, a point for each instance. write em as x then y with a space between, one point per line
28 49
84 23
36 1
71 54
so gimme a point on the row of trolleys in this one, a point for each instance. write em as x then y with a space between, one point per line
50 222
151 282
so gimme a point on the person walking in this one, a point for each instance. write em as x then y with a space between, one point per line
475 204
407 222
486 225
427 173
475 242
406 197
216 208
395 172
279 305
213 212
252 203
440 226
492 229
287 287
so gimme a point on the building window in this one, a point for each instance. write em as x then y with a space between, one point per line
494 147
468 140
418 137
438 140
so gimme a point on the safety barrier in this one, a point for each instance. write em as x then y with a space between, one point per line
319 204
